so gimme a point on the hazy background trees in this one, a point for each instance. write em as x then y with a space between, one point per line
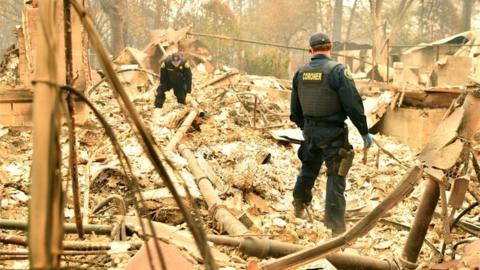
290 23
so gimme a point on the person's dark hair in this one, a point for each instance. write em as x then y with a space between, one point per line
322 47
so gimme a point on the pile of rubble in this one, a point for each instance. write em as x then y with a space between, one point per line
9 67
252 172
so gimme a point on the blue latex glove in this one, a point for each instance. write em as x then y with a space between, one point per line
368 140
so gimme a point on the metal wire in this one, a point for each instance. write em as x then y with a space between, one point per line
132 182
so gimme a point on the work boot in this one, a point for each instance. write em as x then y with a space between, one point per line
337 232
299 208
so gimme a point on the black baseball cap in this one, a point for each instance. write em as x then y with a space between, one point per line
176 57
319 39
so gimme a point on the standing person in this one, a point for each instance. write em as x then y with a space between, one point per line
323 95
174 73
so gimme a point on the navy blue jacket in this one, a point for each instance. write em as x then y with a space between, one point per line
176 77
352 105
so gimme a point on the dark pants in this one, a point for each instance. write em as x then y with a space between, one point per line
179 91
313 153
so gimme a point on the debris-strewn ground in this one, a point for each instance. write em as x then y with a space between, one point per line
9 67
247 160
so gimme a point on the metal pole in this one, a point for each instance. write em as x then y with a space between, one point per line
255 112
220 213
420 224
178 136
68 227
388 60
46 204
71 115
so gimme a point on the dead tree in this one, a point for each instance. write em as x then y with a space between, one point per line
350 22
467 15
380 37
115 10
337 21
163 13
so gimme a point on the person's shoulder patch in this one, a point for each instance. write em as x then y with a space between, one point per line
348 74
163 65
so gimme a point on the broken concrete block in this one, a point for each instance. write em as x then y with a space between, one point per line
452 70
411 75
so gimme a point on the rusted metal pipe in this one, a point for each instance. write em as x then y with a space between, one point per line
68 227
67 245
46 196
343 261
220 213
177 137
263 248
420 224
71 115
361 228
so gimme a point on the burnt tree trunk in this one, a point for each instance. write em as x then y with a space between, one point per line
350 22
163 14
115 10
467 15
378 38
337 21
